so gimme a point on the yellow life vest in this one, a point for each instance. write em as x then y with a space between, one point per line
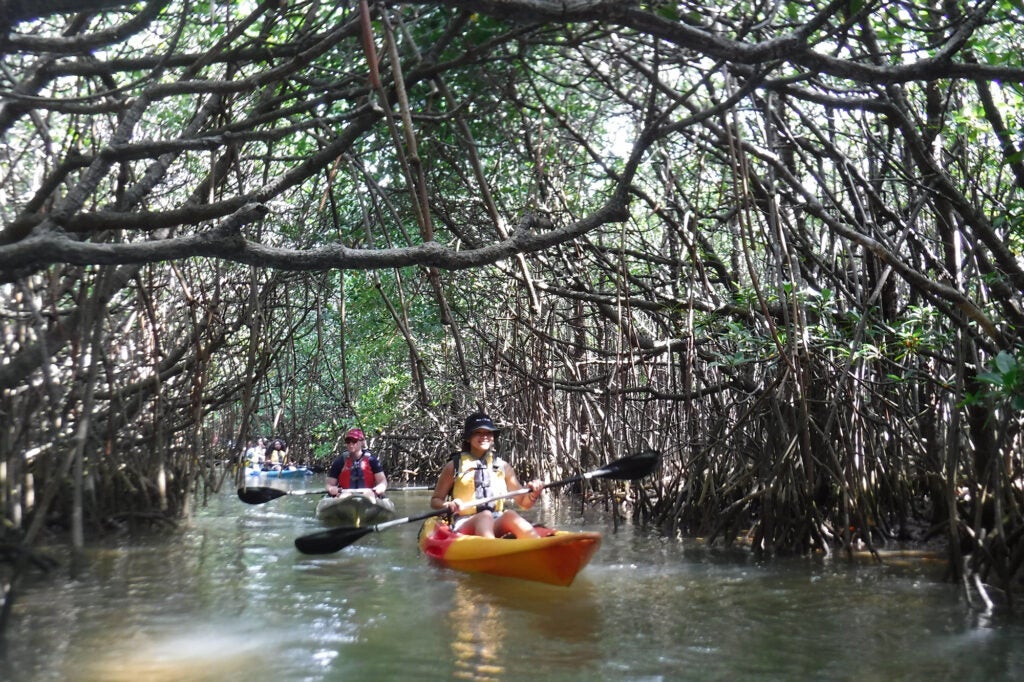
479 478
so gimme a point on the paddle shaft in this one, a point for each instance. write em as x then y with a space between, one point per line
553 484
263 494
361 491
486 500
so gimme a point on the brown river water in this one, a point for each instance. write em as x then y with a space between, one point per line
230 599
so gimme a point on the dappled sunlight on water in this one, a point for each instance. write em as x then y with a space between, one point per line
207 652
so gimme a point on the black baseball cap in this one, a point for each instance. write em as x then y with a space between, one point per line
478 421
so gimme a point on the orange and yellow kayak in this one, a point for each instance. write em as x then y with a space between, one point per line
555 558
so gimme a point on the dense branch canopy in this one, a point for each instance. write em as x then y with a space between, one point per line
284 77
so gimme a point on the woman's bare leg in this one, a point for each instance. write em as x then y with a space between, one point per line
511 522
481 523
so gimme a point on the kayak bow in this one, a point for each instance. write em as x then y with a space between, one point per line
555 558
355 508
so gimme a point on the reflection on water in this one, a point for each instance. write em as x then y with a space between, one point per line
563 624
563 627
478 633
231 599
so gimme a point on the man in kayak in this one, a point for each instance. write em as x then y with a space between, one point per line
477 473
254 455
359 468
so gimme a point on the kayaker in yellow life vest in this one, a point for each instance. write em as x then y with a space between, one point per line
476 474
276 454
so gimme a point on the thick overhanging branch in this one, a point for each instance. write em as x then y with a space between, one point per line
227 242
797 47
13 12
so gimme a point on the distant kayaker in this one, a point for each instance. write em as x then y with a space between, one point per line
276 455
254 455
477 473
358 468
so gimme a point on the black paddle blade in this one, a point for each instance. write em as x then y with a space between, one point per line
630 468
330 541
259 494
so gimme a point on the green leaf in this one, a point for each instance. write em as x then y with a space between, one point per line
990 378
668 11
1005 362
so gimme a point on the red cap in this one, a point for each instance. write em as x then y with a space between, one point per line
355 433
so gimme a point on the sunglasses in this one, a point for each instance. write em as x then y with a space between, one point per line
351 440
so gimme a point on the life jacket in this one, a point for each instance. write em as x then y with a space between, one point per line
476 479
360 476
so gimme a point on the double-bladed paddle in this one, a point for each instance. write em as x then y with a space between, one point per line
259 494
628 468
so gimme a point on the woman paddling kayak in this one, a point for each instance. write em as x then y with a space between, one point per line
477 473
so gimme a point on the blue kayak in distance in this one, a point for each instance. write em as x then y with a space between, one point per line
291 472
